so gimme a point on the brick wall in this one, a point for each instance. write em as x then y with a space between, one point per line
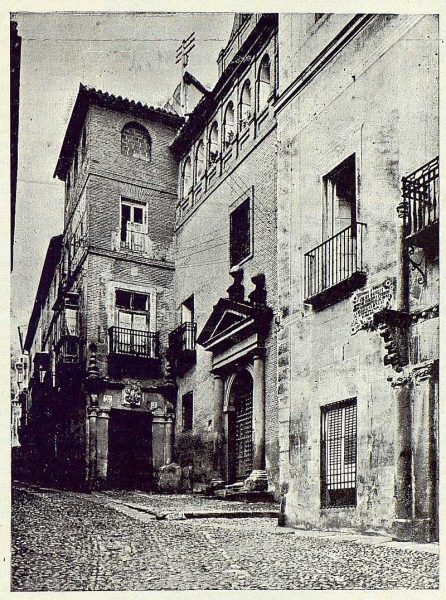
202 269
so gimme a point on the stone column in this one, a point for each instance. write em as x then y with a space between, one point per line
258 479
168 440
424 451
103 416
217 479
92 433
403 459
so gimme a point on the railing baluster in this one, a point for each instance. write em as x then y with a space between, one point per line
334 260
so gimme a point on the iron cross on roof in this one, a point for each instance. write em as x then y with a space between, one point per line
184 50
182 57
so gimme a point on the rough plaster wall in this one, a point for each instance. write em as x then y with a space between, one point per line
339 113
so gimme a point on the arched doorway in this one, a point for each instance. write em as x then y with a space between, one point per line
240 448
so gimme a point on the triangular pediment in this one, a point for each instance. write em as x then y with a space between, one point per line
227 321
226 316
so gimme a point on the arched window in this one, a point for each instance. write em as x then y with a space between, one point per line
187 176
135 141
245 104
264 82
199 161
228 125
213 143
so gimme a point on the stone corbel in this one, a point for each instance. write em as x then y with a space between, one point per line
424 372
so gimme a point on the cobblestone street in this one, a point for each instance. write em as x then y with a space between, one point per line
65 541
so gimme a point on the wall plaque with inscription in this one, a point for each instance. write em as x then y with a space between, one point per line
370 301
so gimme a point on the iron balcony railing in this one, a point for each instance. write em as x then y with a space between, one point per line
182 339
421 194
132 342
334 261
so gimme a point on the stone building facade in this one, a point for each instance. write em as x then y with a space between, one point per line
226 228
111 297
357 113
262 275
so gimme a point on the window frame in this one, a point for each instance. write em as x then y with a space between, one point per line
334 473
213 144
133 311
244 121
187 400
329 229
227 140
247 196
187 164
132 204
262 107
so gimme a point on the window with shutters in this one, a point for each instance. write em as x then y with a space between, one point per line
240 223
338 453
133 228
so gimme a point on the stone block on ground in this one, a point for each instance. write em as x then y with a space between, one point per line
169 478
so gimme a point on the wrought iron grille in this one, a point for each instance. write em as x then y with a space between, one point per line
421 194
243 436
338 454
334 260
183 337
133 342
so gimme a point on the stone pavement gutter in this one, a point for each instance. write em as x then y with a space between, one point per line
198 514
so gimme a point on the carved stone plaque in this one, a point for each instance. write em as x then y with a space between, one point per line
132 395
370 301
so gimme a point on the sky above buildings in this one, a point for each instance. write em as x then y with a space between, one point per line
131 55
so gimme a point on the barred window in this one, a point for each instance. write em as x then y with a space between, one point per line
135 141
338 454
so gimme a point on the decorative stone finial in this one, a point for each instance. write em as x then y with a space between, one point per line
258 295
92 370
236 291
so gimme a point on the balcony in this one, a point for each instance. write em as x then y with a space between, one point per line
182 345
334 269
137 241
67 354
133 353
131 342
67 350
421 199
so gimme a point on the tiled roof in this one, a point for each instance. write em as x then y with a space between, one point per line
89 96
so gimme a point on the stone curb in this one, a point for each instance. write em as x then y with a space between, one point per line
202 514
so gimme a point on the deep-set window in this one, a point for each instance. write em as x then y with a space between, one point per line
340 197
135 141
187 177
188 411
338 453
264 82
245 105
240 232
213 143
133 230
132 310
228 125
199 161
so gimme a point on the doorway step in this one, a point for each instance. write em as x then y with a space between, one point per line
239 493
